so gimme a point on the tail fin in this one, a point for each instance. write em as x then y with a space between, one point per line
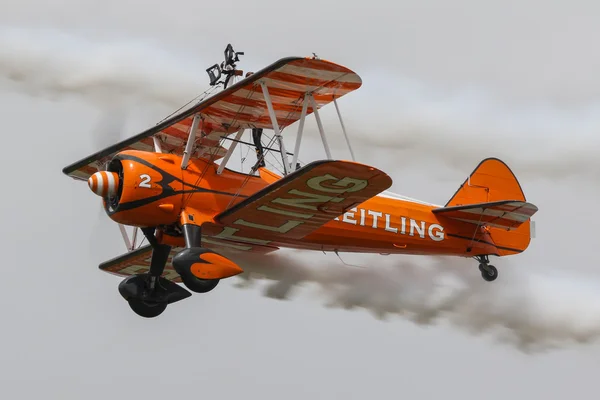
492 196
491 180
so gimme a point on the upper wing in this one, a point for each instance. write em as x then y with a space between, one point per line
242 105
505 214
304 200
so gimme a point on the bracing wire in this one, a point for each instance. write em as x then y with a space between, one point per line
214 153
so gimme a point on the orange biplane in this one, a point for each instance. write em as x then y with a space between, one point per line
166 183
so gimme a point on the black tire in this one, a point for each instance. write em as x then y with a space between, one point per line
489 273
198 285
147 309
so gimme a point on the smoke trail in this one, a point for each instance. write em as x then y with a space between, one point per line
49 63
532 312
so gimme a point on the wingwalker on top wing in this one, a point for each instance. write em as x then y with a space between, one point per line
166 183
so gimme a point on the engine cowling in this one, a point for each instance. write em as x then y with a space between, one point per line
139 189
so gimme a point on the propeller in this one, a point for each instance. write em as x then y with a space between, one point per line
106 132
109 127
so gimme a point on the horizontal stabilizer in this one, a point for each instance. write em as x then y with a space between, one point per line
505 214
301 202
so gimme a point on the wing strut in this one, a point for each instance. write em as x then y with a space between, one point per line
313 103
190 143
157 147
286 164
134 239
230 151
125 236
337 108
300 131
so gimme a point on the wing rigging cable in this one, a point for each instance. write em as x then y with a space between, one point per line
213 155
262 158
240 106
221 140
287 119
201 97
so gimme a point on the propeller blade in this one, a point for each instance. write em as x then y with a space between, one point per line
109 127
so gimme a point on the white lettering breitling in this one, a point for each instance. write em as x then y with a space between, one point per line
402 225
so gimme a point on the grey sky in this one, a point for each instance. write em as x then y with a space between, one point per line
515 79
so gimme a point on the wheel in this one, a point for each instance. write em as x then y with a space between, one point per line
146 309
184 261
198 285
488 272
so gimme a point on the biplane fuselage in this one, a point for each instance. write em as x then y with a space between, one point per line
155 191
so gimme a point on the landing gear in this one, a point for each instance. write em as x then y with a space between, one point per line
149 294
189 258
200 270
185 262
489 273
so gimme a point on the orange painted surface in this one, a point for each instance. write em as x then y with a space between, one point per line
492 180
328 205
215 266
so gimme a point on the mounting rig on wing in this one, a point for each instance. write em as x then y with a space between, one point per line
227 68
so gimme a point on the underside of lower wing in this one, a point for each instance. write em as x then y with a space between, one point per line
305 200
138 261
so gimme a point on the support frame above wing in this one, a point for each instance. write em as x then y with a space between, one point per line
243 105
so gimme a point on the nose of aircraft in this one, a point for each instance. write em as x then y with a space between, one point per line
104 183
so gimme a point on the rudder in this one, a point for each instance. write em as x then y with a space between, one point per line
492 181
